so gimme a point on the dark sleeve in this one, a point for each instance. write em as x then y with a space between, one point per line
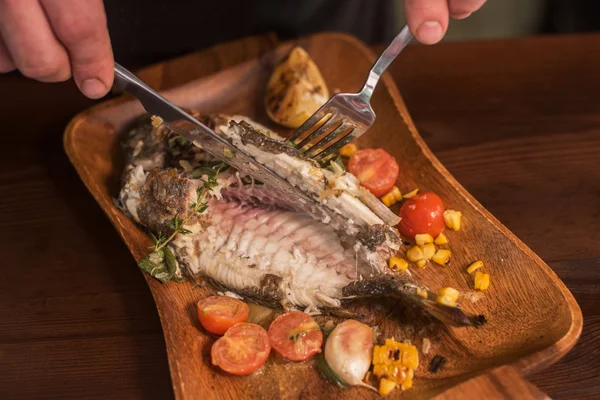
148 31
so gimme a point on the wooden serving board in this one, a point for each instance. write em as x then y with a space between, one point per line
533 318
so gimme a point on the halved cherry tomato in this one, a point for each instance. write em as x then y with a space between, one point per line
242 350
423 213
219 313
376 170
295 336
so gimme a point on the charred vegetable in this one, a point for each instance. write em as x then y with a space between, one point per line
295 90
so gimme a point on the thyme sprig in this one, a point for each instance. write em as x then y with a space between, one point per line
161 262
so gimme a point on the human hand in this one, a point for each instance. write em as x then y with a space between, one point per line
428 19
52 40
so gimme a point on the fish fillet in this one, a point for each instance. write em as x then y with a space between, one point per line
254 242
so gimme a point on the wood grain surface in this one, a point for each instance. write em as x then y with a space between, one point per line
79 321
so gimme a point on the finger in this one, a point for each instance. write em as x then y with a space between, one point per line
427 19
6 62
461 9
81 27
31 43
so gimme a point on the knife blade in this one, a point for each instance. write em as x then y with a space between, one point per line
196 132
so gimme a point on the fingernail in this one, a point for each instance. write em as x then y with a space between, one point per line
461 16
93 88
429 32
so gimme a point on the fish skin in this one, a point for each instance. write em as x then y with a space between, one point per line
252 242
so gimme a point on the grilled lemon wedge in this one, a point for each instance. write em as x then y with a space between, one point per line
295 90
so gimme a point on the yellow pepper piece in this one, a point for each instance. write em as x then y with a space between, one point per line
474 266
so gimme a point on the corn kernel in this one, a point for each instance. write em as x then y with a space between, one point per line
410 357
450 292
394 361
398 263
442 257
367 377
445 300
386 386
348 150
396 192
379 370
407 384
423 238
428 250
388 199
447 296
474 266
486 282
415 254
422 293
452 219
441 239
482 281
422 263
411 194
156 121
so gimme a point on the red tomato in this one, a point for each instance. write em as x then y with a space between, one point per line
219 313
242 350
295 336
423 213
376 170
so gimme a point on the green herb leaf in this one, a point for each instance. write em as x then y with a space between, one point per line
155 265
328 373
184 231
198 172
170 260
338 160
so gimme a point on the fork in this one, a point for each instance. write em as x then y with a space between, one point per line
345 116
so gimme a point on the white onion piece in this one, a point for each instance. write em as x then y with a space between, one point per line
349 351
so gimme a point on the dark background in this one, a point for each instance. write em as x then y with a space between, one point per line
147 31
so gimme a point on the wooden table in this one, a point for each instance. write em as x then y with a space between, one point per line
517 122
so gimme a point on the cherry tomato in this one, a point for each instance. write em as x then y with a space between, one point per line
219 313
423 213
242 350
376 170
295 336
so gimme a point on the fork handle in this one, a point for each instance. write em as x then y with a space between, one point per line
384 61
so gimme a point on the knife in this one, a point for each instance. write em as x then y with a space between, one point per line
196 132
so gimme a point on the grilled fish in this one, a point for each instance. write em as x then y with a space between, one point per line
251 240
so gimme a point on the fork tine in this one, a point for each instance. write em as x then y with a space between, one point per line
306 145
330 152
322 144
305 127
